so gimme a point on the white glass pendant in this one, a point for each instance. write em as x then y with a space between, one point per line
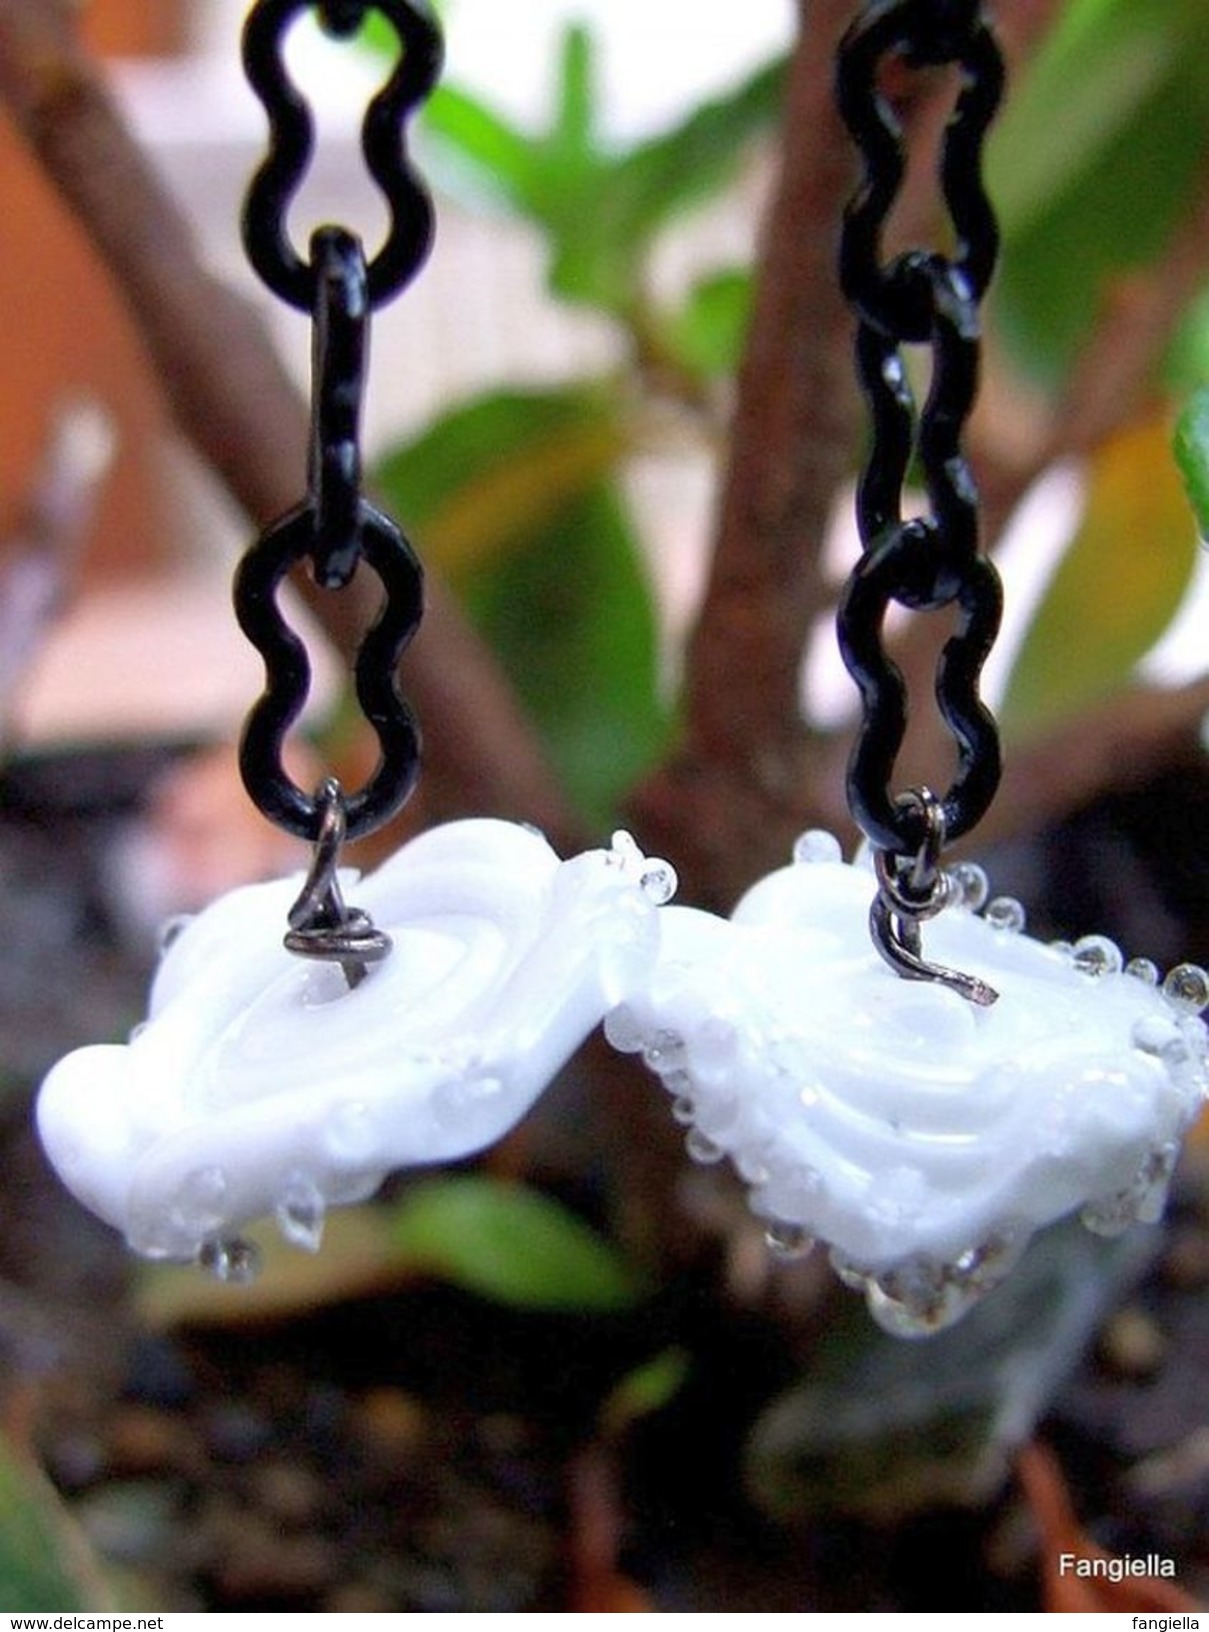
262 1084
923 1137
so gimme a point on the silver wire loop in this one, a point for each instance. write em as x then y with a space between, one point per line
322 925
912 889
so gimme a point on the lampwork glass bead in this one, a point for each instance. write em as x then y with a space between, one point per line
261 1085
922 1137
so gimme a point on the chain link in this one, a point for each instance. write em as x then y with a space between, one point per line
292 142
925 298
334 530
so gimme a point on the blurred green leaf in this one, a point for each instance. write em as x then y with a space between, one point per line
377 33
514 497
1092 163
644 1391
492 154
488 475
1116 588
572 619
1192 456
599 206
708 331
46 1565
511 1244
660 178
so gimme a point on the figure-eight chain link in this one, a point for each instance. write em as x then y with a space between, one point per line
334 529
930 562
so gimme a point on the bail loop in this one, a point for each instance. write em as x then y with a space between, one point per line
321 924
912 889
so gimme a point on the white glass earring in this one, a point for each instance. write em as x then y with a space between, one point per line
262 1084
923 1137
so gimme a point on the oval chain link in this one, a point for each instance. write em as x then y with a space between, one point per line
920 297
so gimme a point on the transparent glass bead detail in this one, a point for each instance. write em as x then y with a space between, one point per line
1006 914
1097 955
658 883
788 1243
1145 970
702 1148
815 847
234 1262
1141 1201
301 1213
969 886
1187 987
201 1201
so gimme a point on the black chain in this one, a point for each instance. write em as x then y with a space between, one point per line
334 529
921 297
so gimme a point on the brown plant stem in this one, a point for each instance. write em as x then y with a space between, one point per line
1121 742
235 405
727 802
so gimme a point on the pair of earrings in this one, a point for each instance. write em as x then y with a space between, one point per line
923 1137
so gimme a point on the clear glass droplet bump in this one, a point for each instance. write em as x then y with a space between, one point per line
199 1206
234 1262
1143 969
969 885
815 847
1097 955
301 1212
658 882
1005 914
1187 988
788 1243
702 1148
684 1111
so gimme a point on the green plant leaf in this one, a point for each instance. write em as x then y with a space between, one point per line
1116 588
706 335
1092 164
480 151
46 1565
644 1391
514 498
599 206
377 32
661 177
511 1244
572 618
1191 448
482 479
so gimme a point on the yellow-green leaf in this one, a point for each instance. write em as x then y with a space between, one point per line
511 1244
1116 588
491 473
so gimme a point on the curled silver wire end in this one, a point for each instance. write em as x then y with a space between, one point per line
322 925
910 890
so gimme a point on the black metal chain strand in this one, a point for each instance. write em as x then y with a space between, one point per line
334 530
340 342
930 562
292 141
342 18
894 298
